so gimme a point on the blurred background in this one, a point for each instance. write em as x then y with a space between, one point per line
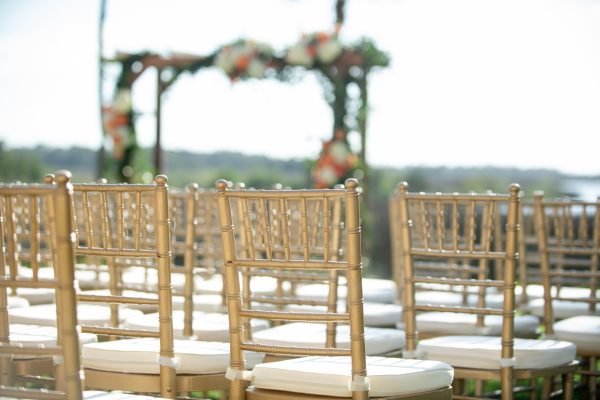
448 95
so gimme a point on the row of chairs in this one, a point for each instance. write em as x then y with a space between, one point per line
275 234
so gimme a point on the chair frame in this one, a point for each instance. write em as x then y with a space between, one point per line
66 353
484 254
555 225
352 265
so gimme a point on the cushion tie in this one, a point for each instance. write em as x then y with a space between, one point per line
508 362
359 383
234 374
171 362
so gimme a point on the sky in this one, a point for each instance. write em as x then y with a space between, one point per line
508 83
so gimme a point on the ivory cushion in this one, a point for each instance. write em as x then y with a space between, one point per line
206 326
583 330
484 352
331 376
460 323
375 314
140 355
305 334
202 302
16 301
87 314
40 335
374 290
561 308
214 285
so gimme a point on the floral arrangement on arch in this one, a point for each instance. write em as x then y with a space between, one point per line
320 46
335 163
244 59
117 121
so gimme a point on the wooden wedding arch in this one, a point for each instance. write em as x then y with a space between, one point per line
337 66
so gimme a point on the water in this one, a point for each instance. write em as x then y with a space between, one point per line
584 189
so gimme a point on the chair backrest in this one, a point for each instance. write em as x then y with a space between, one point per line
196 242
36 209
446 228
568 233
262 240
128 225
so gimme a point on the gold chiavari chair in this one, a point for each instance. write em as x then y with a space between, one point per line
28 254
63 349
449 292
135 226
502 358
568 234
327 371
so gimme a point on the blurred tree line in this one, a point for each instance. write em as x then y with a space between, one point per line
183 167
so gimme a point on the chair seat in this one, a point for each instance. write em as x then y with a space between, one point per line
16 302
140 356
331 376
87 314
460 323
305 334
561 308
375 314
97 395
212 303
484 352
36 296
40 335
206 326
374 290
446 298
583 330
214 285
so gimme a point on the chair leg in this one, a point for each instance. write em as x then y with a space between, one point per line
479 388
458 386
533 390
547 387
568 382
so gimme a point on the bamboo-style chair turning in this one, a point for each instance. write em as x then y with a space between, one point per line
569 242
439 233
63 349
327 371
135 228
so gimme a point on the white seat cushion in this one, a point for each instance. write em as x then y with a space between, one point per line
374 290
37 295
128 293
141 356
560 308
331 376
40 335
87 314
583 330
214 285
16 302
460 323
434 297
375 314
484 352
96 395
211 327
305 334
203 302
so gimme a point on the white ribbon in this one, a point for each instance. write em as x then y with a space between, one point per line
508 362
416 354
359 383
172 362
238 374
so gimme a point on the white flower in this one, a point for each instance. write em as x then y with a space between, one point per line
338 152
297 55
329 51
256 69
123 101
